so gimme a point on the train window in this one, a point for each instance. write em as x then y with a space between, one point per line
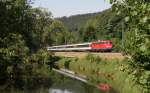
106 42
110 42
87 45
99 43
103 43
69 46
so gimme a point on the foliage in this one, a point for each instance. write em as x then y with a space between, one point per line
57 33
128 27
41 56
41 21
89 31
103 25
13 54
100 70
24 31
76 21
137 19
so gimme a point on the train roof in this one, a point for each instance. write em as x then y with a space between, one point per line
102 41
71 45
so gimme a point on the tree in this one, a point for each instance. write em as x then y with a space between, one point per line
137 19
58 33
23 31
41 21
13 54
137 15
89 33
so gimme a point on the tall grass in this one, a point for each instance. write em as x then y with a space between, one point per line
100 70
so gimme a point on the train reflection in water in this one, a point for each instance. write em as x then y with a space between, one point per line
59 91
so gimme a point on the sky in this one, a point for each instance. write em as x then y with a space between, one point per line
60 8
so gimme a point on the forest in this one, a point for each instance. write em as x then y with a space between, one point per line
95 26
25 32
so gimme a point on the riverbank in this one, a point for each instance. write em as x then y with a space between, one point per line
71 74
112 72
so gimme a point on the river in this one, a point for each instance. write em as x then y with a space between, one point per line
66 84
61 84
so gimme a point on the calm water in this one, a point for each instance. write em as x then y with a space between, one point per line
60 84
69 85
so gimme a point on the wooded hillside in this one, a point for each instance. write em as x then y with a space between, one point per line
75 21
94 26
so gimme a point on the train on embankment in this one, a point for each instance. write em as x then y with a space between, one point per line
95 46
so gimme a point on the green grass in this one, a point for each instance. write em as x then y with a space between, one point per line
100 70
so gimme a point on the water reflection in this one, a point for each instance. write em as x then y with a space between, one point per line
68 85
59 91
59 84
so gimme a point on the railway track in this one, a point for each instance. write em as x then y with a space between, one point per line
83 54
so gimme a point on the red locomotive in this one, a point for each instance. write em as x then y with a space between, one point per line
100 45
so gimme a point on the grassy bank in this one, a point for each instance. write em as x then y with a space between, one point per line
112 72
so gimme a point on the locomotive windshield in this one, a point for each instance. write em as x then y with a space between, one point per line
103 42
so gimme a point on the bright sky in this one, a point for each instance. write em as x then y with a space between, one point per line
72 7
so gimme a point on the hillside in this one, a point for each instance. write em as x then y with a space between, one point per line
93 26
76 21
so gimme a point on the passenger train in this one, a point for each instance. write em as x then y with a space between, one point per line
100 45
